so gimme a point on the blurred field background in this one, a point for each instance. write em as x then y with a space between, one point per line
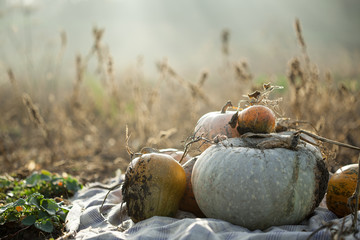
75 73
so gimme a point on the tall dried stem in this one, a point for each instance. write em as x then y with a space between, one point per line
302 43
13 81
36 118
78 81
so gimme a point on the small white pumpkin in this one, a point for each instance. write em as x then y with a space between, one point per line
257 188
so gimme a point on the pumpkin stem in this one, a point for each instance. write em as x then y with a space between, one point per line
226 106
285 124
328 140
234 119
127 138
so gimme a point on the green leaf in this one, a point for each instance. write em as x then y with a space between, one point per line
45 226
36 178
19 202
72 184
29 220
50 206
62 214
35 199
4 208
43 215
32 179
56 220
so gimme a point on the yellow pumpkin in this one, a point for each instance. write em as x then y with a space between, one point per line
341 186
154 184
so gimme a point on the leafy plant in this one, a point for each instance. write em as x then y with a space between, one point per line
36 202
45 214
48 184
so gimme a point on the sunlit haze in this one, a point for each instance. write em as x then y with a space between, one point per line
187 33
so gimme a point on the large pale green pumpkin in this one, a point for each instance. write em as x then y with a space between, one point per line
257 188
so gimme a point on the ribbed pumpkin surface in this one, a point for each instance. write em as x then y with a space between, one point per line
258 188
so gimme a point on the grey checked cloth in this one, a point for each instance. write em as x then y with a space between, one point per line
85 221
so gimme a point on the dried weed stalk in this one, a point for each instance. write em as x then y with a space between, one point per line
79 79
190 141
297 81
60 55
97 47
324 102
161 137
36 118
301 40
243 73
195 89
111 76
142 115
262 97
4 149
63 43
303 81
323 139
143 99
13 81
98 34
127 138
225 36
322 105
34 115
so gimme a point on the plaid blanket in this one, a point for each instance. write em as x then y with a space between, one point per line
85 221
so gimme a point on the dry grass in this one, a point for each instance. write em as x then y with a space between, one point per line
83 131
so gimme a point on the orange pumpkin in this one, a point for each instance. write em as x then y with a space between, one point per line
256 119
341 186
214 124
188 202
154 184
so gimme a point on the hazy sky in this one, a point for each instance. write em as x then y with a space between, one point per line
186 32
